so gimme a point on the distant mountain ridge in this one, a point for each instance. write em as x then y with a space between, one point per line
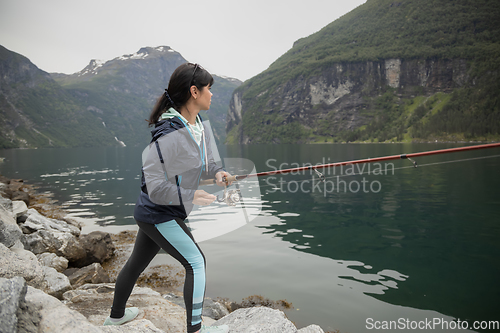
37 112
407 70
113 98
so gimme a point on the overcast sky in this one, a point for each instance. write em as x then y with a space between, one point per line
228 37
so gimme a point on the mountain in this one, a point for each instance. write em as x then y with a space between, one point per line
122 91
36 112
407 70
106 103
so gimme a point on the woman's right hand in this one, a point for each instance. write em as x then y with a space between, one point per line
203 198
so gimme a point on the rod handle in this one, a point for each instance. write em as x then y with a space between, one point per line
212 181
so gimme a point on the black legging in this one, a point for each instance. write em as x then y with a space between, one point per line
175 238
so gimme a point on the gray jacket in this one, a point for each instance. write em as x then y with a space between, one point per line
173 165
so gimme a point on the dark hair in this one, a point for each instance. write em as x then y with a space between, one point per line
183 78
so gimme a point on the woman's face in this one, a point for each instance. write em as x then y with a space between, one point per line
205 98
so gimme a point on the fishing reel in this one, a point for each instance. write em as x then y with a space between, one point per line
231 197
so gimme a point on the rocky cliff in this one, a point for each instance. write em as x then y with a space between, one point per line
386 71
341 98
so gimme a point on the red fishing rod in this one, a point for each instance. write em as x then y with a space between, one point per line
367 160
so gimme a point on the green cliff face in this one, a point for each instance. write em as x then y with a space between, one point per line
387 71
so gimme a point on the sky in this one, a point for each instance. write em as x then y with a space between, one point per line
233 38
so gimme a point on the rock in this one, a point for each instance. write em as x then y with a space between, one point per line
258 320
211 308
56 283
12 291
6 203
19 262
94 302
48 259
55 317
98 247
63 244
93 273
3 187
28 317
311 329
214 310
135 326
9 230
19 209
37 221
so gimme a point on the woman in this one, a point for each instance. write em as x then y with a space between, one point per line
178 156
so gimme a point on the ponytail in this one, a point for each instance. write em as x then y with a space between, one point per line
163 103
178 92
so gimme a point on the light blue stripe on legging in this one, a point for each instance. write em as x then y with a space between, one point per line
174 234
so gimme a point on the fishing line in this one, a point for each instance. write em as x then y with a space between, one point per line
398 168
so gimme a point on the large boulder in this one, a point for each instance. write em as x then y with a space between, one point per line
37 221
55 317
12 293
311 329
94 302
49 259
63 244
262 320
19 209
98 247
56 284
135 326
19 262
93 273
10 233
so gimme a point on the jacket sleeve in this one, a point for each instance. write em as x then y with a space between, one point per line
163 189
212 167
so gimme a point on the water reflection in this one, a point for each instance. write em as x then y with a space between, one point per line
431 226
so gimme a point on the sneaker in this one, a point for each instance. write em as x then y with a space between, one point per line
214 329
130 314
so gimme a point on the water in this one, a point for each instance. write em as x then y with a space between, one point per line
397 243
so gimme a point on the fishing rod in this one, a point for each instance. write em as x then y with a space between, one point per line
330 165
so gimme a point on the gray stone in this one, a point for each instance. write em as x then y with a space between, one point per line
6 203
19 262
28 318
9 230
98 247
12 291
41 241
63 244
211 308
56 283
94 302
135 326
214 310
37 221
258 320
311 329
55 317
19 208
48 259
93 273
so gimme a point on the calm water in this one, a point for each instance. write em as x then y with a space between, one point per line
395 243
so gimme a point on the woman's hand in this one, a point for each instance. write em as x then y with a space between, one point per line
219 178
203 198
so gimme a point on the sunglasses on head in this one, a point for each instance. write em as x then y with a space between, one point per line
194 72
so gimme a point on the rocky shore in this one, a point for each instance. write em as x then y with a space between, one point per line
55 279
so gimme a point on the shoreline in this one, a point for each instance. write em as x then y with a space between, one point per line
166 280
